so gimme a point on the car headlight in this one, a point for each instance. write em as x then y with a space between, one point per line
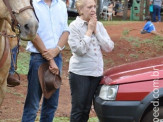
108 92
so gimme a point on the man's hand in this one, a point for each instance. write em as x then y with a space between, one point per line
53 67
49 54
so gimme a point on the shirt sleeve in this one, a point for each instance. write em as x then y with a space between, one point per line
79 45
104 39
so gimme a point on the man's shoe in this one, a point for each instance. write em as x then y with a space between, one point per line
12 81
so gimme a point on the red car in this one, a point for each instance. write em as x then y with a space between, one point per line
131 93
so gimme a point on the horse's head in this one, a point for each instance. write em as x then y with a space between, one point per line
24 18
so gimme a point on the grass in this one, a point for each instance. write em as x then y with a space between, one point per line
115 22
23 63
56 119
12 91
136 42
121 55
134 55
67 119
125 32
23 60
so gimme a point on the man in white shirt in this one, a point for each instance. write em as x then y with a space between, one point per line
51 37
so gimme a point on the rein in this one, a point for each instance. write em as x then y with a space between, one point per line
15 25
6 50
7 47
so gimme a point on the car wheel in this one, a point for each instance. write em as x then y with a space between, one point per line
152 115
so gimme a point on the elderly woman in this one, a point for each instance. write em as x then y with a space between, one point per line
87 39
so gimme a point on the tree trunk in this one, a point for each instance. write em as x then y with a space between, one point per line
141 10
147 8
125 10
98 10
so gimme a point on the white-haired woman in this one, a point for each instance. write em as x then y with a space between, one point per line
87 38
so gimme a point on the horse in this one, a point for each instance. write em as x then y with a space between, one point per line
20 15
20 12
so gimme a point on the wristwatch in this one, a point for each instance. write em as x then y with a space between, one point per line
60 47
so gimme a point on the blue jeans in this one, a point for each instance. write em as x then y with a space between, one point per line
34 93
13 59
156 12
82 91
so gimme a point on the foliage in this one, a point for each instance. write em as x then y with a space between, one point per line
23 62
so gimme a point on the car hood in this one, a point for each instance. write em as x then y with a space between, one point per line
145 70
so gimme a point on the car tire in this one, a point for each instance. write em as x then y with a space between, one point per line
149 116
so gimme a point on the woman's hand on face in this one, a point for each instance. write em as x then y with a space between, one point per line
95 23
92 25
53 67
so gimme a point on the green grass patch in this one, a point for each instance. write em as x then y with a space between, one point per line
134 56
13 91
115 22
121 55
134 41
23 62
61 119
125 32
67 119
23 59
56 119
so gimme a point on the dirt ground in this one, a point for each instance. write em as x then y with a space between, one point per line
12 106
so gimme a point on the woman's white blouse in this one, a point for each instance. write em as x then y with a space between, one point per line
87 57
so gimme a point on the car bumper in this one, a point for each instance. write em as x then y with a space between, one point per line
116 111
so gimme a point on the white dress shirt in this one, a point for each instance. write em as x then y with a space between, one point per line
87 57
52 23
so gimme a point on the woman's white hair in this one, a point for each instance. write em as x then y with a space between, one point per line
79 4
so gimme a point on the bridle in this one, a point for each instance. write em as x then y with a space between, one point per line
15 25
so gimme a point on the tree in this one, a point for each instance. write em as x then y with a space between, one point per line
147 8
125 10
141 14
99 5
